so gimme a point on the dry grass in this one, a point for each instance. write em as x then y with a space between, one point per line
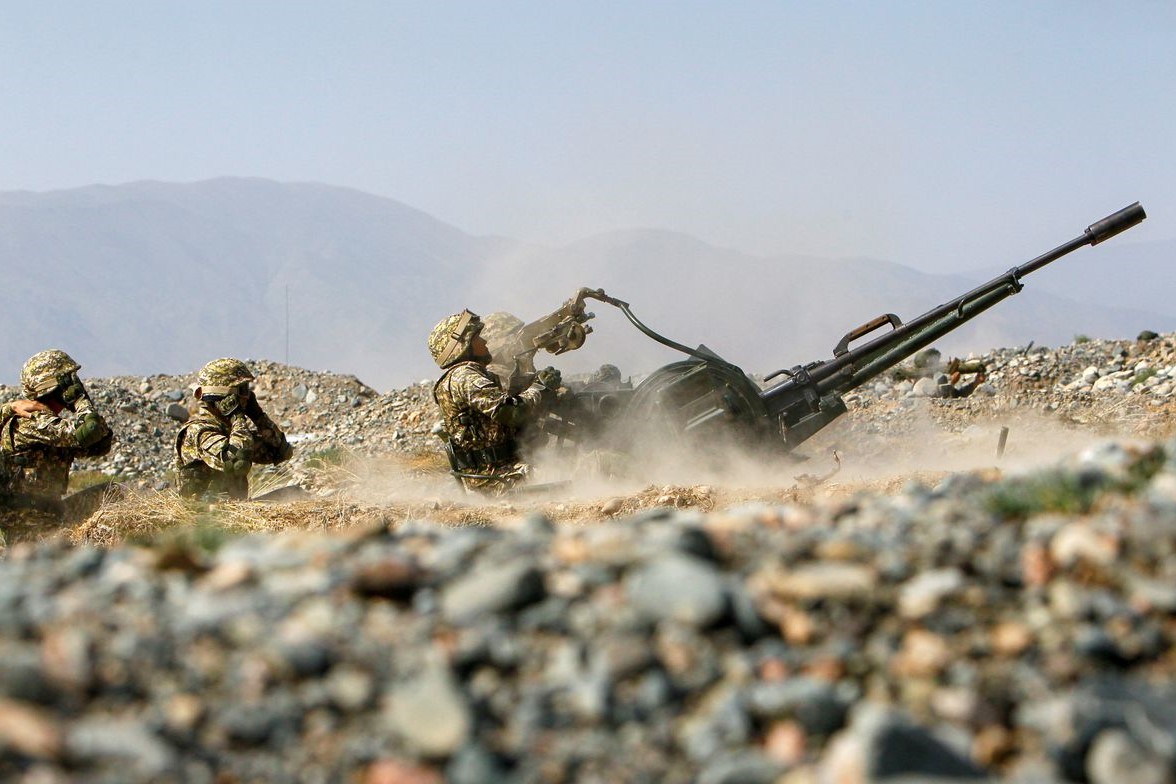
162 516
149 516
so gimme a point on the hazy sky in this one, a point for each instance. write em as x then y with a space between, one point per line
943 135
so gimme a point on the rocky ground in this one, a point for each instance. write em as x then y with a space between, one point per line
929 613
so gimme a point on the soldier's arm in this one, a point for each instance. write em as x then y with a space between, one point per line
218 450
42 429
93 435
21 408
486 395
270 445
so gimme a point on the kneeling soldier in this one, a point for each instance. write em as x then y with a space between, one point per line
39 441
480 420
226 435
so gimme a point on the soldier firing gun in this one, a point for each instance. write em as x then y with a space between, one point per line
560 331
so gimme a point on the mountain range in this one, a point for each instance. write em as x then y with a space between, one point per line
153 277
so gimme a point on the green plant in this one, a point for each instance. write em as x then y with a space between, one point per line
1053 491
1068 491
1081 339
333 456
80 480
1143 376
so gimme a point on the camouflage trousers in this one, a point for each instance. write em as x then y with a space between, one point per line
502 477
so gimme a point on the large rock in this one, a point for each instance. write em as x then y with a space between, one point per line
430 713
679 588
492 588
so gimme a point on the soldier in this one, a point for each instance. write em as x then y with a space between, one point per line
226 436
481 421
607 378
39 441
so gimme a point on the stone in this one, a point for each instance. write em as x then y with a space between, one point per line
812 704
177 412
824 580
1114 758
430 713
125 742
401 772
926 387
679 588
741 768
883 745
921 595
492 588
29 730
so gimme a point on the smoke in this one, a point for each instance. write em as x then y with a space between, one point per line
915 443
571 484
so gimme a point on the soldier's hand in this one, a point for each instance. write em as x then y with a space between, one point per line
71 389
549 377
26 408
251 407
238 461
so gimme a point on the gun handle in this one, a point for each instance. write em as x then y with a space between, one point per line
865 329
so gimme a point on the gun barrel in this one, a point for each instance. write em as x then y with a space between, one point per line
1099 231
852 367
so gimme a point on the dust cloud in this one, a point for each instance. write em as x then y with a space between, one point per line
588 486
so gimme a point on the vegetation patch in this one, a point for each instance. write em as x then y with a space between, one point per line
1143 376
80 480
1068 491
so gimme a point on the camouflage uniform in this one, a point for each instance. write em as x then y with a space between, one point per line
223 439
480 419
37 451
500 330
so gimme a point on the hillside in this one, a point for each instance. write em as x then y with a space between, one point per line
159 277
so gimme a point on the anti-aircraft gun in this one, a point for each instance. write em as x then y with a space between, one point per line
705 398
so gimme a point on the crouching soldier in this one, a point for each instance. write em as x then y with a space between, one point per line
480 420
39 440
226 435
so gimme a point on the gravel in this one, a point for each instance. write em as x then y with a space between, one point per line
984 625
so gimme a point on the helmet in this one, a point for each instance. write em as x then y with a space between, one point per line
220 376
607 374
500 326
41 373
452 336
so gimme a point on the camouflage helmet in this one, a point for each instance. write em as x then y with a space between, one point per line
41 373
220 376
607 374
499 327
452 336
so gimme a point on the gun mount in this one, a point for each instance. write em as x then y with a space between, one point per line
704 398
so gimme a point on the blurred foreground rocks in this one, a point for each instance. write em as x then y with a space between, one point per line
979 629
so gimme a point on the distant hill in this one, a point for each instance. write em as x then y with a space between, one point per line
156 277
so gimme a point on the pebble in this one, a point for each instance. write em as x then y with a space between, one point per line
920 634
678 588
430 713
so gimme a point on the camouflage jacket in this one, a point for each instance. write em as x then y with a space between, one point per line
208 443
477 412
37 452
